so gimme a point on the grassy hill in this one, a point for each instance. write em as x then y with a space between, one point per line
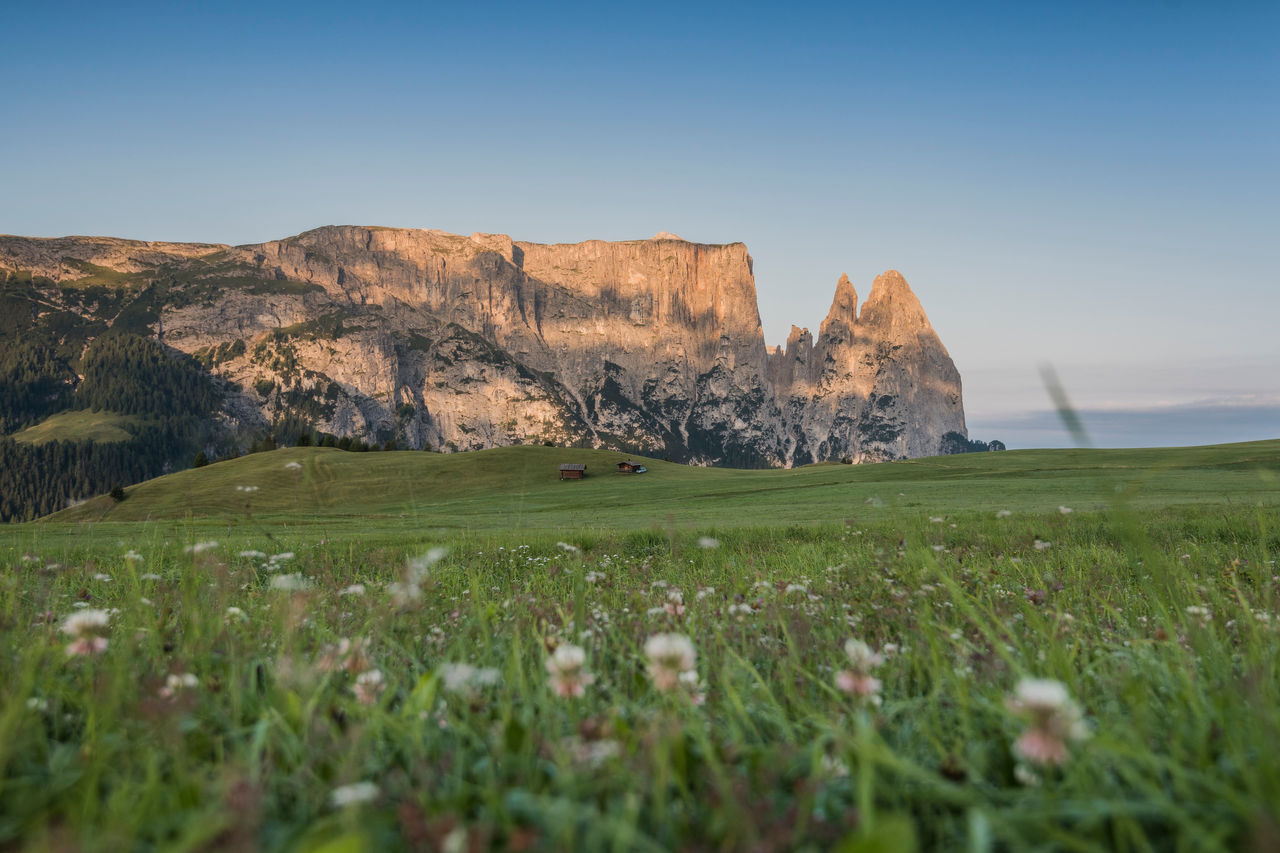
518 488
79 425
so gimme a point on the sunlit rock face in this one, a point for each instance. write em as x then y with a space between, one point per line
456 343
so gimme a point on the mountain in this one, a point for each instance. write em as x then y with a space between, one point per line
447 342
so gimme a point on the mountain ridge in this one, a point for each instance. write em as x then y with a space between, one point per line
456 342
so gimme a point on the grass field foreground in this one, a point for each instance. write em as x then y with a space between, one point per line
182 686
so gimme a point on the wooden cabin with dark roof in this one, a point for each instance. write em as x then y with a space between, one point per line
573 471
629 467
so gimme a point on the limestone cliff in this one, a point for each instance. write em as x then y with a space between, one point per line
456 343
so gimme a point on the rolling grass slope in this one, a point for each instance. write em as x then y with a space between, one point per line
79 425
518 488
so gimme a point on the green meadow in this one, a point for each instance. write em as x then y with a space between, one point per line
316 650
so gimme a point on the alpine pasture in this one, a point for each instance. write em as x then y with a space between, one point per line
308 649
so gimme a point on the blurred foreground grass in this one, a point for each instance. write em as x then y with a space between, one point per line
1159 617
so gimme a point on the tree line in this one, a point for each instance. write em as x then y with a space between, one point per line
168 394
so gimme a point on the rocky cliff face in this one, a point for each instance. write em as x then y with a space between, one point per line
455 343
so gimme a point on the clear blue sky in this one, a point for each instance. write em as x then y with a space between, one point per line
1089 184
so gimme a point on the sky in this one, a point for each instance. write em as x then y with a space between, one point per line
1091 186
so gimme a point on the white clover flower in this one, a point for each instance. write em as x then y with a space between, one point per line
369 685
669 656
1065 510
565 546
353 589
858 679
175 683
465 678
708 542
1054 719
86 623
352 795
1004 513
201 547
86 627
253 555
404 594
566 667
1041 545
290 583
235 613
133 556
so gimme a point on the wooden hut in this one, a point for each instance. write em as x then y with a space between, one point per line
573 471
630 467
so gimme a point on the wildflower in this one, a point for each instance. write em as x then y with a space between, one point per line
705 591
293 466
858 680
368 686
404 593
708 542
742 609
1202 615
1054 719
1004 513
351 795
253 555
133 556
591 753
290 583
1041 545
593 577
175 683
566 547
247 489
346 654
675 603
1065 510
934 519
565 666
465 678
354 589
87 626
201 547
149 576
1026 776
235 613
102 576
795 587
36 703
670 655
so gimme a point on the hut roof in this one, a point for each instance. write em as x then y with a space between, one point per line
573 466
